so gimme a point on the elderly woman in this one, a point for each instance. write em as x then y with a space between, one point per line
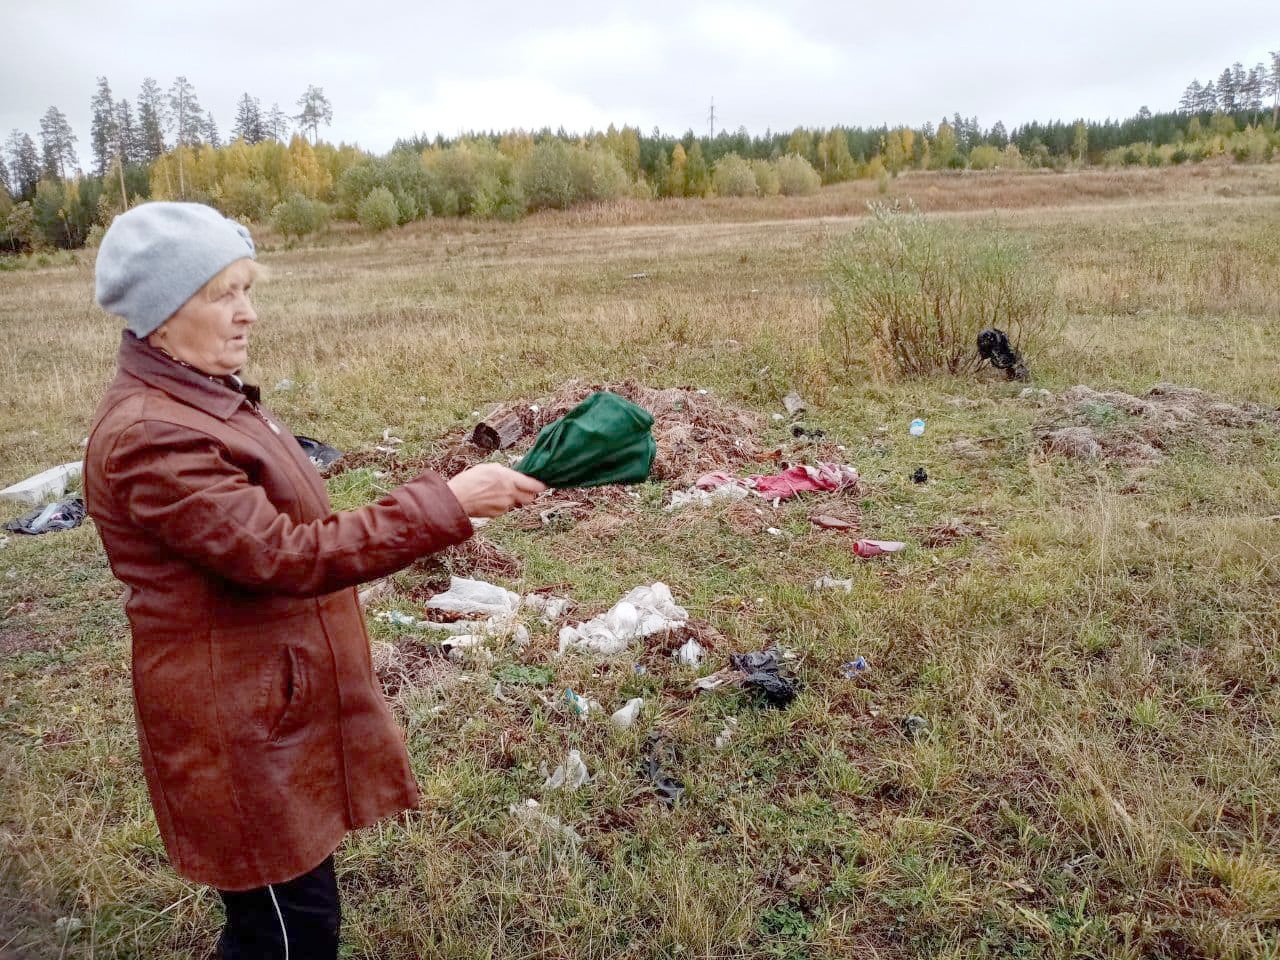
263 732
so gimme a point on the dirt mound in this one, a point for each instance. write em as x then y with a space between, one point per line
1088 424
695 431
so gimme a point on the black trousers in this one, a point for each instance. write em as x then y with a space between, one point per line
299 919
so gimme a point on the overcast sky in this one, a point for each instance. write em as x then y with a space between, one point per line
394 69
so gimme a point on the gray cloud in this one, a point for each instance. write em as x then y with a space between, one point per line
391 71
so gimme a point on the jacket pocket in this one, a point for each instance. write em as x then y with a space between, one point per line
289 698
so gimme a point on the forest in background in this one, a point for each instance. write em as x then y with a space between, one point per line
274 166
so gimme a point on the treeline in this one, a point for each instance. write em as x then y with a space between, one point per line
165 146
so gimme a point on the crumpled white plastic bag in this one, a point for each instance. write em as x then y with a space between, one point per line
476 596
570 775
643 611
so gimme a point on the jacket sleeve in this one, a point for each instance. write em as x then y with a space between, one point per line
181 487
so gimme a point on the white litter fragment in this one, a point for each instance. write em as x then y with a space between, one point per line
540 825
625 717
520 636
642 612
43 486
793 404
773 531
778 416
476 596
570 775
282 385
831 583
550 609
691 653
388 439
695 496
725 735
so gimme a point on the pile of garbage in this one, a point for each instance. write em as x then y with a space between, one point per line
1135 431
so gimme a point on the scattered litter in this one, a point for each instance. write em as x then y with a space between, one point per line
642 612
914 727
696 496
4 542
321 454
548 607
51 518
995 348
702 392
773 531
854 668
49 483
831 583
725 735
389 440
827 522
540 825
578 703
867 549
456 647
640 669
793 404
921 475
283 385
396 618
1031 393
802 478
570 775
520 635
691 653
559 511
626 716
759 671
669 789
917 427
477 597
778 416
800 431
639 276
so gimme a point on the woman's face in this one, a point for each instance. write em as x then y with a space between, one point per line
212 334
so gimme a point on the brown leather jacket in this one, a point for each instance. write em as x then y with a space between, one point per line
263 732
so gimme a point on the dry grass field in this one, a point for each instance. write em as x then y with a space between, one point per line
1093 645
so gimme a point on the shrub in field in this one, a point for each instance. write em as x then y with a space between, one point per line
766 174
911 294
298 216
733 177
984 157
378 211
597 175
547 176
470 178
796 176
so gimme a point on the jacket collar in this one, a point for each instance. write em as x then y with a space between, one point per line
139 359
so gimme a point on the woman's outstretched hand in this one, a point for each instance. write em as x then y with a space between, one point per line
490 489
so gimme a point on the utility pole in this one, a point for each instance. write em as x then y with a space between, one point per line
712 119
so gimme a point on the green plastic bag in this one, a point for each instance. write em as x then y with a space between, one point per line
604 439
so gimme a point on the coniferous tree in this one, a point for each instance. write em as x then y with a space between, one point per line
4 178
1275 86
276 126
1208 98
129 147
57 142
314 109
249 122
1227 92
187 119
209 129
1255 86
102 127
1190 102
153 111
24 165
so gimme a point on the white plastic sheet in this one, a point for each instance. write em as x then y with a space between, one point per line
642 612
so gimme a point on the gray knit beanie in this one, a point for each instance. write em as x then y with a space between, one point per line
155 257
